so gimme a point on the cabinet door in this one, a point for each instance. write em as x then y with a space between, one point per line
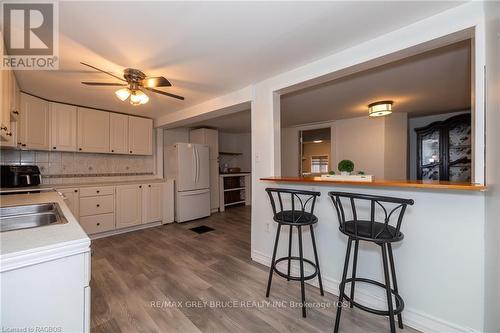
71 198
128 205
118 133
152 198
4 103
34 123
63 127
93 131
212 140
140 136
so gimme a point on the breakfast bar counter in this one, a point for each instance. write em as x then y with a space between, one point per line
425 184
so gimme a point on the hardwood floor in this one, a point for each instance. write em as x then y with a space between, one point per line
170 279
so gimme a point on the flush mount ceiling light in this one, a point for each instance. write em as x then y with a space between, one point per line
318 141
379 109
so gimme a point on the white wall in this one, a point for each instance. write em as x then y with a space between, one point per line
492 228
377 146
236 142
417 122
361 140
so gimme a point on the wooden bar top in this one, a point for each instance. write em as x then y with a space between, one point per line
425 184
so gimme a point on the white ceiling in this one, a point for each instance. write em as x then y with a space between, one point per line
206 49
437 81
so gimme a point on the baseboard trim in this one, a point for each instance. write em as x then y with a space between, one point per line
415 319
124 230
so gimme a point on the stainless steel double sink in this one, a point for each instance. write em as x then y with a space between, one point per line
30 216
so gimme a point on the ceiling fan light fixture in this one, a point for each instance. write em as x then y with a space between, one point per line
122 93
137 97
379 109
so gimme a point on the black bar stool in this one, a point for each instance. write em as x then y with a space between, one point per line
294 217
380 233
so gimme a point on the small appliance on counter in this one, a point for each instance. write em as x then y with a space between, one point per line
20 175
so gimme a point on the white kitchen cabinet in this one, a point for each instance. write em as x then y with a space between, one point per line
63 119
4 104
210 137
140 136
93 131
128 205
152 202
118 133
34 123
72 199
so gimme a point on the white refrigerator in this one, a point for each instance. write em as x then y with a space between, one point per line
188 164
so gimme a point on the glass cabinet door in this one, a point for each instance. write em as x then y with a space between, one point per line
459 152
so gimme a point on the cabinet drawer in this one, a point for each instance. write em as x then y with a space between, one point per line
98 223
96 205
98 190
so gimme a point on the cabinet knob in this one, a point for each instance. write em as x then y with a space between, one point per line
9 133
54 148
24 145
15 112
76 191
112 150
80 149
98 205
98 223
97 191
131 151
4 128
140 186
149 185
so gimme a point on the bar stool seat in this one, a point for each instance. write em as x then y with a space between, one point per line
366 230
300 215
290 217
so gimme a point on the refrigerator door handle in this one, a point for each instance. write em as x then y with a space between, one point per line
197 165
193 167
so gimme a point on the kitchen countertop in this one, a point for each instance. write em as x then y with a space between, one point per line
24 247
424 184
48 187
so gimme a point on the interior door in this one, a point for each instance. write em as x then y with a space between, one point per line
186 168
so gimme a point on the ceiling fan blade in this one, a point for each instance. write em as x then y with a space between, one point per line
151 82
103 71
165 93
105 84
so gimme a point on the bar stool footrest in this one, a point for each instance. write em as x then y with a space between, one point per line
295 278
397 310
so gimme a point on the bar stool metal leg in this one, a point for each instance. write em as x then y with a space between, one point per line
388 288
289 252
316 260
301 260
272 260
354 265
394 282
342 285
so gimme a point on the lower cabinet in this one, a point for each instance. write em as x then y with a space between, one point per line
152 198
106 208
128 205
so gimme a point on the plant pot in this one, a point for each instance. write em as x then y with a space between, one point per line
345 173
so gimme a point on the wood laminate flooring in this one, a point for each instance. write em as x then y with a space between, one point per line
170 279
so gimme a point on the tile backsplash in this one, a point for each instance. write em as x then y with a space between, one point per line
70 167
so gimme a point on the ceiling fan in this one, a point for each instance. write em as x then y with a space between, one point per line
134 83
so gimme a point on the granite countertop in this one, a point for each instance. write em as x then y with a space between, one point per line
24 247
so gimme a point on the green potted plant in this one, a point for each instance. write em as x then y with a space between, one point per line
346 167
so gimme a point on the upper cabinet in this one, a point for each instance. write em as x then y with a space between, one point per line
208 137
140 136
34 123
93 131
9 105
118 133
63 119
